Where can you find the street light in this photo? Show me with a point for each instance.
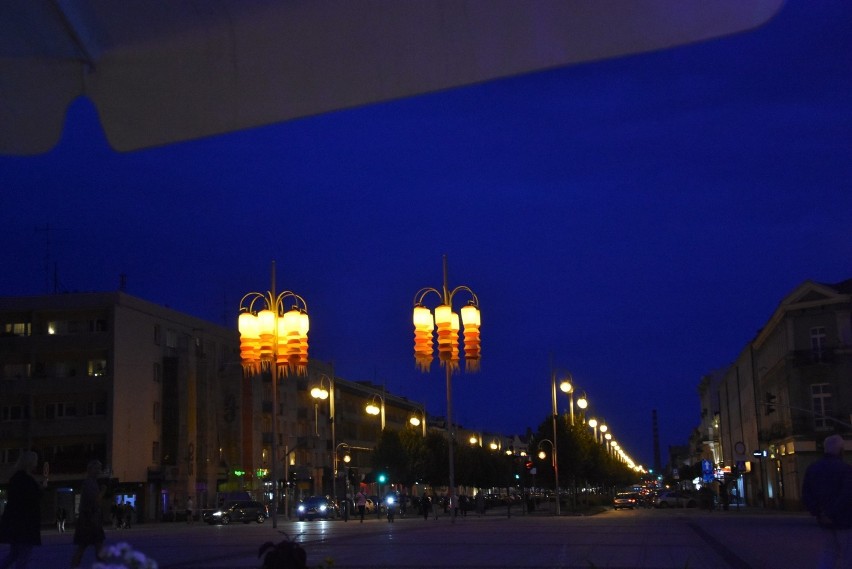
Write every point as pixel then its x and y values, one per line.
pixel 542 455
pixel 553 442
pixel 275 339
pixel 419 421
pixel 447 323
pixel 567 388
pixel 593 423
pixel 373 409
pixel 602 428
pixel 346 459
pixel 582 402
pixel 320 393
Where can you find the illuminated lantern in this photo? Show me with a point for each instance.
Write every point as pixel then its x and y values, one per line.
pixel 290 342
pixel 447 338
pixel 472 347
pixel 266 331
pixel 304 326
pixel 424 347
pixel 455 327
pixel 249 339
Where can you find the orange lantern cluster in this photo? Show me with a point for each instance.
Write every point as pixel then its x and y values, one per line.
pixel 258 340
pixel 448 326
pixel 472 347
pixel 424 326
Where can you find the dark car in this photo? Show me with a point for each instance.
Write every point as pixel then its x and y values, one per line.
pixel 625 500
pixel 239 511
pixel 316 507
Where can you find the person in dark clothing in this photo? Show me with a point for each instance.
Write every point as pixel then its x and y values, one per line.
pixel 20 526
pixel 90 520
pixel 827 494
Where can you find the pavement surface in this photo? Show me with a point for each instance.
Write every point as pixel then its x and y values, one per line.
pixel 647 539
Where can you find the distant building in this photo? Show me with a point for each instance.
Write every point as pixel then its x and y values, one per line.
pixel 153 393
pixel 789 388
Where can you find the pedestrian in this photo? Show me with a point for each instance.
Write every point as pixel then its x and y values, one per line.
pixel 89 530
pixel 61 515
pixel 480 503
pixel 20 525
pixel 361 503
pixel 425 506
pixel 827 494
pixel 189 509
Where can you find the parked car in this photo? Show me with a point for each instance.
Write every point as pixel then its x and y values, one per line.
pixel 625 500
pixel 669 499
pixel 316 507
pixel 239 511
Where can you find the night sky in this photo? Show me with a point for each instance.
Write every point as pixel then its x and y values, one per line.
pixel 634 221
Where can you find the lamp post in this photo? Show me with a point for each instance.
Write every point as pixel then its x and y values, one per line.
pixel 568 388
pixel 593 423
pixel 602 428
pixel 346 459
pixel 320 393
pixel 542 455
pixel 553 442
pixel 275 339
pixel 583 403
pixel 420 421
pixel 373 409
pixel 447 323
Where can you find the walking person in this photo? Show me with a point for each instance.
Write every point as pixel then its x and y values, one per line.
pixel 20 526
pixel 361 502
pixel 89 530
pixel 827 494
pixel 61 515
pixel 189 510
pixel 425 506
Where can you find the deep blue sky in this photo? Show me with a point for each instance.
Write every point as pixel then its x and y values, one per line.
pixel 636 219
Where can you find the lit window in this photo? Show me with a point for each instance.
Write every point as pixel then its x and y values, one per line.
pixel 97 368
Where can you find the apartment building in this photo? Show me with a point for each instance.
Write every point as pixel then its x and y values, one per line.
pixel 156 395
pixel 788 389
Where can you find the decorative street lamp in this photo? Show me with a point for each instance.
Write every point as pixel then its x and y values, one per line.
pixel 602 428
pixel 447 323
pixel 276 339
pixel 320 393
pixel 593 423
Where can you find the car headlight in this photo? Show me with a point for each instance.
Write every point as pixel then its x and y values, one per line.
pixel 301 507
pixel 323 508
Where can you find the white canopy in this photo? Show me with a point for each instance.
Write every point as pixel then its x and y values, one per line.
pixel 162 71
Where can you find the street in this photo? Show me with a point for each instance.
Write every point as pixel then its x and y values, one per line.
pixel 625 539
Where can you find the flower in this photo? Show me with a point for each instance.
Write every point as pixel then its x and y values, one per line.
pixel 123 556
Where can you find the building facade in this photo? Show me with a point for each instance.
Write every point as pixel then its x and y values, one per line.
pixel 153 393
pixel 788 389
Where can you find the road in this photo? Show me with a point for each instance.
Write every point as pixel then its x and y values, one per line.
pixel 647 539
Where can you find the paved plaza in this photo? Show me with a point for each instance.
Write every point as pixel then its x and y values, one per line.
pixel 651 539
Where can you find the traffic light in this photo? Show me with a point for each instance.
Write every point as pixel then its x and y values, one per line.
pixel 382 478
pixel 770 403
pixel 528 464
